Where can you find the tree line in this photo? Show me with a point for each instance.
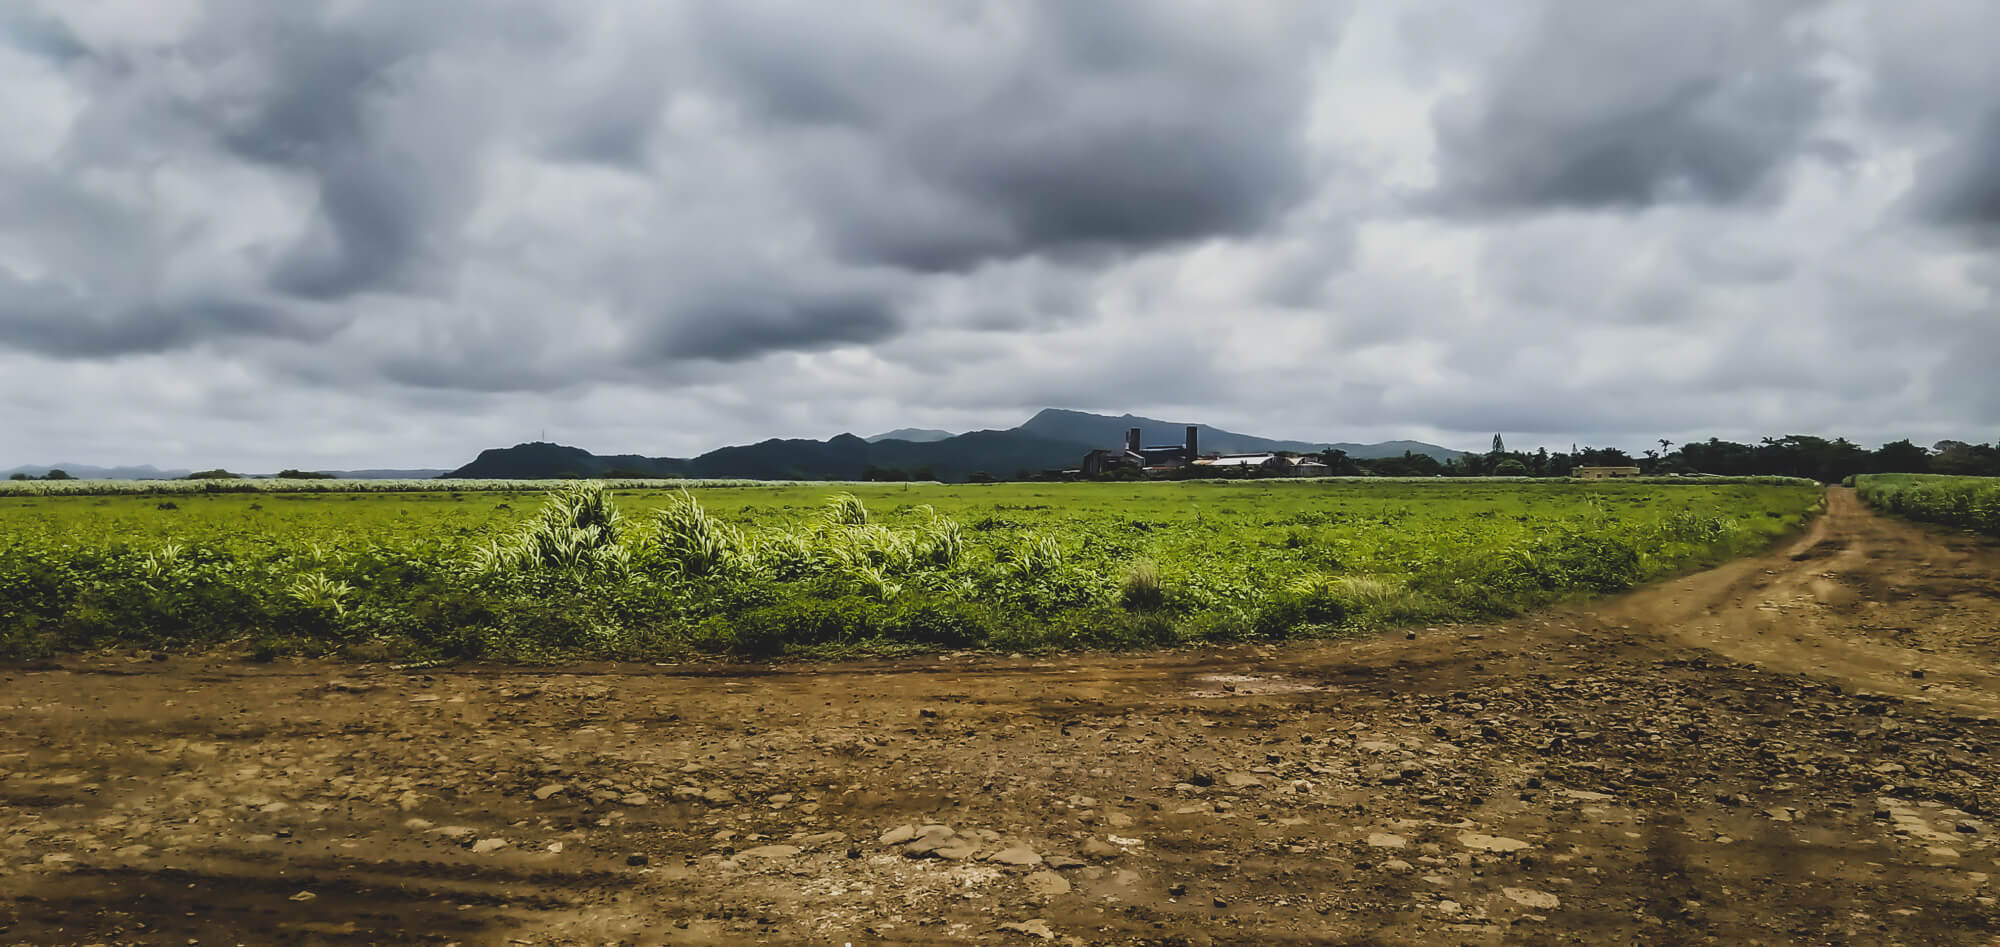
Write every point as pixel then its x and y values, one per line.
pixel 1794 455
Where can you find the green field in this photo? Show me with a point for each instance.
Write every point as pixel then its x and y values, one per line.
pixel 762 570
pixel 1971 503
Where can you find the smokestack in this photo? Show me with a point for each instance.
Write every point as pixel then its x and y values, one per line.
pixel 1132 440
pixel 1191 455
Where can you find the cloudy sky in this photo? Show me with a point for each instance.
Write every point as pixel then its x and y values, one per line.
pixel 383 233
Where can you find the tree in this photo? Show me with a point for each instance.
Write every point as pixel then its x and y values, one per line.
pixel 1338 464
pixel 1499 446
pixel 1510 468
pixel 57 474
pixel 1901 457
pixel 19 476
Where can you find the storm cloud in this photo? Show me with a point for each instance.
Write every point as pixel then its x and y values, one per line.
pixel 661 227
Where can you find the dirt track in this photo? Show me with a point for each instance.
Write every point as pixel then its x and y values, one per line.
pixel 1741 756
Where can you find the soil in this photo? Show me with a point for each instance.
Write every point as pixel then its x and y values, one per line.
pixel 1794 748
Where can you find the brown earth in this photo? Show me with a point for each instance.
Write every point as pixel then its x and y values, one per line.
pixel 1793 748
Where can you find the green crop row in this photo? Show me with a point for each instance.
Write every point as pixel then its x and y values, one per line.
pixel 772 570
pixel 1965 502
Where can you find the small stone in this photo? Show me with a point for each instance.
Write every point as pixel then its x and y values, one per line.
pixel 409 800
pixel 817 839
pixel 635 799
pixel 549 790
pixel 1038 928
pixel 1242 781
pixel 1398 865
pixel 302 896
pixel 1063 862
pixel 1018 855
pixel 1099 848
pixel 956 849
pixel 1386 840
pixel 899 835
pixel 929 839
pixel 1047 883
pixel 417 825
pixel 718 796
pixel 485 845
pixel 635 859
pixel 1584 795
pixel 771 851
pixel 1491 843
pixel 1528 897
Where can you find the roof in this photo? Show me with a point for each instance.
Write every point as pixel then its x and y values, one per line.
pixel 1237 460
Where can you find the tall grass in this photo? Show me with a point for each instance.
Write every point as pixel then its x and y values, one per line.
pixel 1971 503
pixel 770 571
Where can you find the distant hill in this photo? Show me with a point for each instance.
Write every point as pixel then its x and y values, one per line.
pixel 541 460
pixel 915 435
pixel 421 474
pixel 1052 439
pixel 845 457
pixel 88 472
pixel 1100 430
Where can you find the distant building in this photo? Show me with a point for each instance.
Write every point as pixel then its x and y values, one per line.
pixel 1243 462
pixel 1307 467
pixel 1604 473
pixel 1134 456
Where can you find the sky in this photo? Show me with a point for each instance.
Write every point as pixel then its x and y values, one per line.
pixel 373 233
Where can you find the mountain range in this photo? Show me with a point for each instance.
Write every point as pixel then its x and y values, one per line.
pixel 1054 438
pixel 150 472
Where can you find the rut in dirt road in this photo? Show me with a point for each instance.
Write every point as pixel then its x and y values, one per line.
pixel 1874 602
pixel 1740 756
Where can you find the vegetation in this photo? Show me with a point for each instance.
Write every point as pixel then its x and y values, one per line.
pixel 1794 455
pixel 786 569
pixel 1966 502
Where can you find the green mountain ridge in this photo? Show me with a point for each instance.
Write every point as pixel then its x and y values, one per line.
pixel 915 435
pixel 1053 439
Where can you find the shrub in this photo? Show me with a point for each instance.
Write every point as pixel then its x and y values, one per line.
pixel 1140 590
pixel 692 543
pixel 576 531
pixel 1312 601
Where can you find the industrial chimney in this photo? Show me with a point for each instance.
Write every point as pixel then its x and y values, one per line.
pixel 1191 455
pixel 1132 440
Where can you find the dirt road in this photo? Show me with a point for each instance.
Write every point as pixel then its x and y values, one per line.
pixel 1794 748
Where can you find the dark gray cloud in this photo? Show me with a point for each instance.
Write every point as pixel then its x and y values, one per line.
pixel 976 131
pixel 1631 104
pixel 36 32
pixel 741 325
pixel 1960 185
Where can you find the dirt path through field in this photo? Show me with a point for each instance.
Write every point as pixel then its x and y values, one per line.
pixel 1742 756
